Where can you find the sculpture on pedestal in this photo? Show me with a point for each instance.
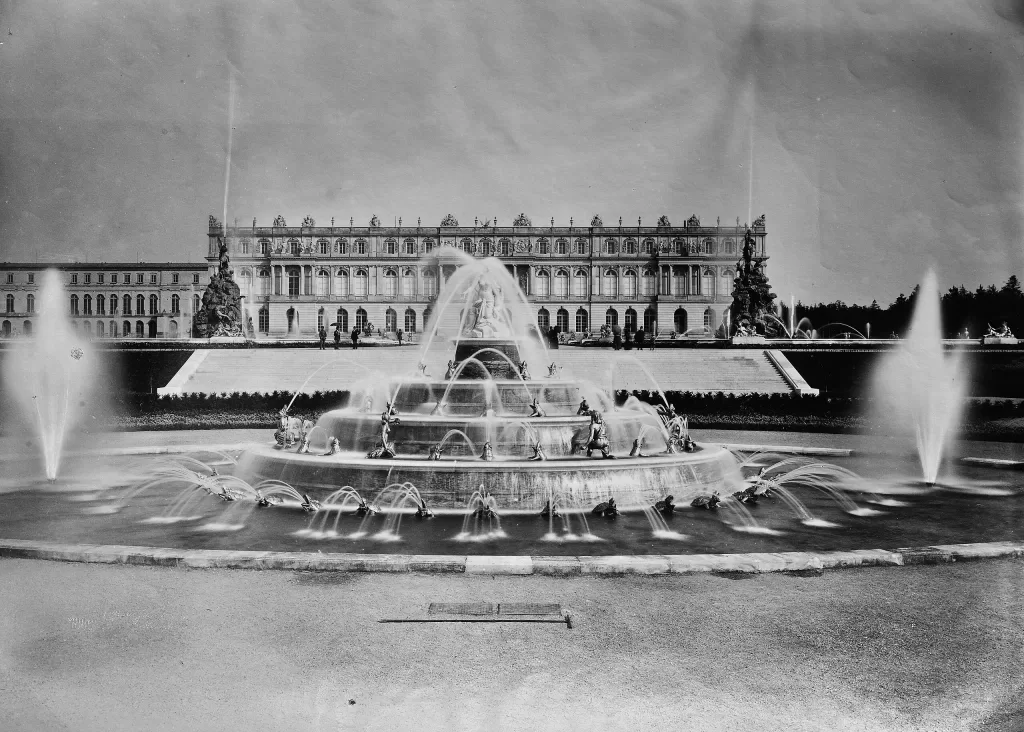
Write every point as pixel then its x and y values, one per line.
pixel 486 317
pixel 752 297
pixel 221 311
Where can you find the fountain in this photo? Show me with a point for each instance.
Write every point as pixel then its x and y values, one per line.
pixel 520 440
pixel 921 388
pixel 51 375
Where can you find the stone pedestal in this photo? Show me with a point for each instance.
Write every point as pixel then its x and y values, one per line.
pixel 740 340
pixel 999 341
pixel 497 367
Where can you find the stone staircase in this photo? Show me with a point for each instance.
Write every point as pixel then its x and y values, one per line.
pixel 310 369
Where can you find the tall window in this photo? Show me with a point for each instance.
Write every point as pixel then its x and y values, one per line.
pixel 154 304
pixel 630 320
pixel 175 305
pixel 293 282
pixel 87 327
pixel 152 278
pixel 582 320
pixel 410 320
pixel 581 246
pixel 113 310
pixel 342 246
pixel 88 278
pixel 361 319
pixel 87 305
pixel 263 247
pixel 543 246
pixel 408 282
pixel 410 246
pixel 694 281
pixel 10 278
pixel 650 319
pixel 10 303
pixel 113 278
pixel 709 320
pixel 391 246
pixel 113 328
pixel 679 281
pixel 100 330
pixel 342 319
pixel 245 251
pixel 647 283
pixel 390 320
pixel 428 245
pixel 101 305
pixel 629 246
pixel 429 283
pixel 74 279
pixel 543 282
pixel 99 278
pixel 341 287
pixel 263 320
pixel 709 247
pixel 319 319
pixel 562 320
pixel 360 286
pixel 74 304
pixel 679 246
pixel 506 247
pixel 293 247
pixel 562 246
pixel 126 329
pixel 360 246
pixel 323 281
pixel 611 317
pixel 610 286
pixel 390 283
pixel 126 301
pixel 263 281
pixel 679 321
pixel 140 329
pixel 579 283
pixel 708 283
pixel 486 247
pixel 197 303
pixel 30 304
pixel 140 304
pixel 562 284
pixel 610 246
pixel 543 320
pixel 725 284
pixel 26 327
pixel 629 284
pixel 139 278
pixel 325 247
pixel 647 247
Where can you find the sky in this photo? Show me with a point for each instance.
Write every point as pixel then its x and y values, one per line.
pixel 880 139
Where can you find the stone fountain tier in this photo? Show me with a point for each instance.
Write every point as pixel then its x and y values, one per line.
pixel 510 436
pixel 484 350
pixel 472 397
pixel 517 485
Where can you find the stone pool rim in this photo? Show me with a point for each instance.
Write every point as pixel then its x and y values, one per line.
pixel 561 566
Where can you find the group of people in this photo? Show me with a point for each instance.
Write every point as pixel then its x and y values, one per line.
pixel 354 335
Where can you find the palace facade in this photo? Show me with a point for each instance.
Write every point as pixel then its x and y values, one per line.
pixel 662 278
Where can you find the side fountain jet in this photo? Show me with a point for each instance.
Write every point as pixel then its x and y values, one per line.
pixel 309 505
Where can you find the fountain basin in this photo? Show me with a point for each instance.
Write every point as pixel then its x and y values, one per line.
pixel 515 484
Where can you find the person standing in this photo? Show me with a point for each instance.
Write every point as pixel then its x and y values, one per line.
pixel 323 337
pixel 355 338
pixel 399 337
pixel 337 336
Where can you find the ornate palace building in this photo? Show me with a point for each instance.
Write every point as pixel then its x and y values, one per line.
pixel 661 278
pixel 108 299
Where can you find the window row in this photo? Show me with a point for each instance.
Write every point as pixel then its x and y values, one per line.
pixel 340 320
pixel 101 305
pixel 343 284
pixel 680 322
pixel 126 278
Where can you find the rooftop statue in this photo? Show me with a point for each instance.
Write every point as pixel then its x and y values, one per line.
pixel 450 220
pixel 596 221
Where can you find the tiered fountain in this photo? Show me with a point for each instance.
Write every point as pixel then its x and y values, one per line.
pixel 487 424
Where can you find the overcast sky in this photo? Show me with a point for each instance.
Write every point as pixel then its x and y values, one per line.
pixel 880 138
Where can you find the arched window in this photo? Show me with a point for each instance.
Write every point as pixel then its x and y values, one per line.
pixel 629 247
pixel 197 303
pixel 86 305
pixel 152 328
pixel 154 304
pixel 361 283
pixel 610 246
pixel 341 319
pixel 175 305
pixel 610 286
pixel 172 330
pixel 391 246
pixel 30 304
pixel 562 320
pixel 101 330
pixel 581 246
pixel 562 284
pixel 361 319
pixel 87 327
pixel 140 329
pixel 707 286
pixel 410 246
pixel 341 284
pixel 263 247
pixel 324 247
pixel 26 328
pixel 695 288
pixel 647 283
pixel 629 284
pixel 263 281
pixel 390 320
pixel 319 319
pixel 390 284
pixel 543 281
pixel 140 304
pixel 360 246
pixel 543 320
pixel 579 283
pixel 101 305
pixel 650 320
pixel 126 329
pixel 630 320
pixel 709 320
pixel 582 320
pixel 74 304
pixel 10 303
pixel 648 246
pixel 341 245
pixel 543 246
pixel 428 245
pixel 126 305
pixel 506 247
pixel 678 284
pixel 562 246
pixel 611 317
pixel 408 282
pixel 679 321
pixel 410 320
pixel 112 328
pixel 323 282
pixel 429 277
pixel 294 247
